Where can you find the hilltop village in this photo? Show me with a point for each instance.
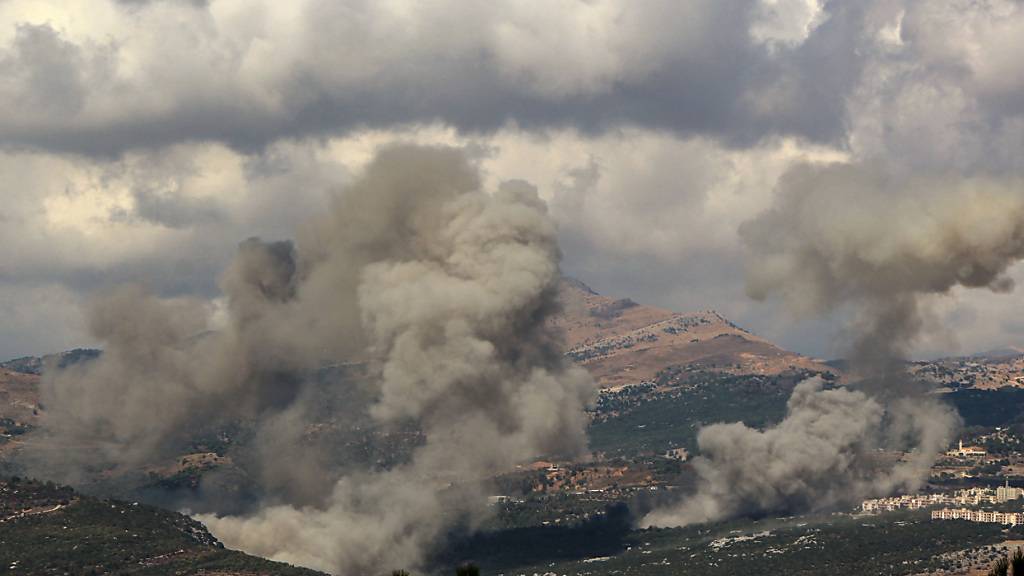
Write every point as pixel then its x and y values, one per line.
pixel 976 467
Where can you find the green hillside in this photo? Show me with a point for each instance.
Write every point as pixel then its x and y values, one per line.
pixel 902 543
pixel 641 419
pixel 49 529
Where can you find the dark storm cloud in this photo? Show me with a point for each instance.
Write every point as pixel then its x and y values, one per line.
pixel 46 71
pixel 913 88
pixel 705 76
pixel 916 84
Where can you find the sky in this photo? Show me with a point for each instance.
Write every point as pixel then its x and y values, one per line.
pixel 143 140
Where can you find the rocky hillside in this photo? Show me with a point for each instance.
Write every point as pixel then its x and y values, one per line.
pixel 19 392
pixel 622 342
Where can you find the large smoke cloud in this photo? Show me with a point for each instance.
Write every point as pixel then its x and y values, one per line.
pixel 874 242
pixel 822 455
pixel 438 290
pixel 876 238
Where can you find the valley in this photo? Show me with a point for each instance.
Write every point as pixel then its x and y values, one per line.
pixel 663 376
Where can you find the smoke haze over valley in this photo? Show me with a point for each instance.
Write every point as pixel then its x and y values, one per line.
pixel 535 286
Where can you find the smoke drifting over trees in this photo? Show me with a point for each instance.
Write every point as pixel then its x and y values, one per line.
pixel 440 289
pixel 875 241
pixel 820 456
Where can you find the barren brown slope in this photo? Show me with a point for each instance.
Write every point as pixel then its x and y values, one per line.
pixel 621 342
pixel 19 382
pixel 19 400
pixel 19 396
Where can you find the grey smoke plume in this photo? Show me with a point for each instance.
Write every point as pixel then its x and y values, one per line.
pixel 441 289
pixel 458 320
pixel 822 455
pixel 879 242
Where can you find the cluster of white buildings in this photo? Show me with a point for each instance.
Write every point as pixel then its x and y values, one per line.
pixel 905 502
pixel 968 497
pixel 1008 518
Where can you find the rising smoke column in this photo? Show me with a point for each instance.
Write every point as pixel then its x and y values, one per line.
pixel 793 465
pixel 459 321
pixel 443 289
pixel 169 366
pixel 880 242
pixel 819 457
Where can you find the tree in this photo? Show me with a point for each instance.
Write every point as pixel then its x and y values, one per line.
pixel 1001 568
pixel 469 569
pixel 1004 564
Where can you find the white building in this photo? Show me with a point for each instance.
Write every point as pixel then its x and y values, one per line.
pixel 965 497
pixel 988 516
pixel 1005 493
pixel 968 451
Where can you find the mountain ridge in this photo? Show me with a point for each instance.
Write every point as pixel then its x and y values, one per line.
pixel 622 342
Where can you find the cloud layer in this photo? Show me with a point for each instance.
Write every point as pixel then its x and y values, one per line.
pixel 139 138
pixel 97 79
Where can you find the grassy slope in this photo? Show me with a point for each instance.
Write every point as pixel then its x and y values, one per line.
pixel 672 419
pixel 899 543
pixel 92 536
pixel 1001 407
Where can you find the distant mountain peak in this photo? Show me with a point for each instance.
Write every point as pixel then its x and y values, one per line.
pixel 35 364
pixel 624 342
pixel 568 281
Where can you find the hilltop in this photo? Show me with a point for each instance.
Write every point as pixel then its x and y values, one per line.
pixel 622 342
pixel 19 390
pixel 35 364
pixel 657 353
pixel 618 340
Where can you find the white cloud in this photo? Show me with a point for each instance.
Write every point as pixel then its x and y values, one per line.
pixel 786 22
pixel 566 47
pixel 143 140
